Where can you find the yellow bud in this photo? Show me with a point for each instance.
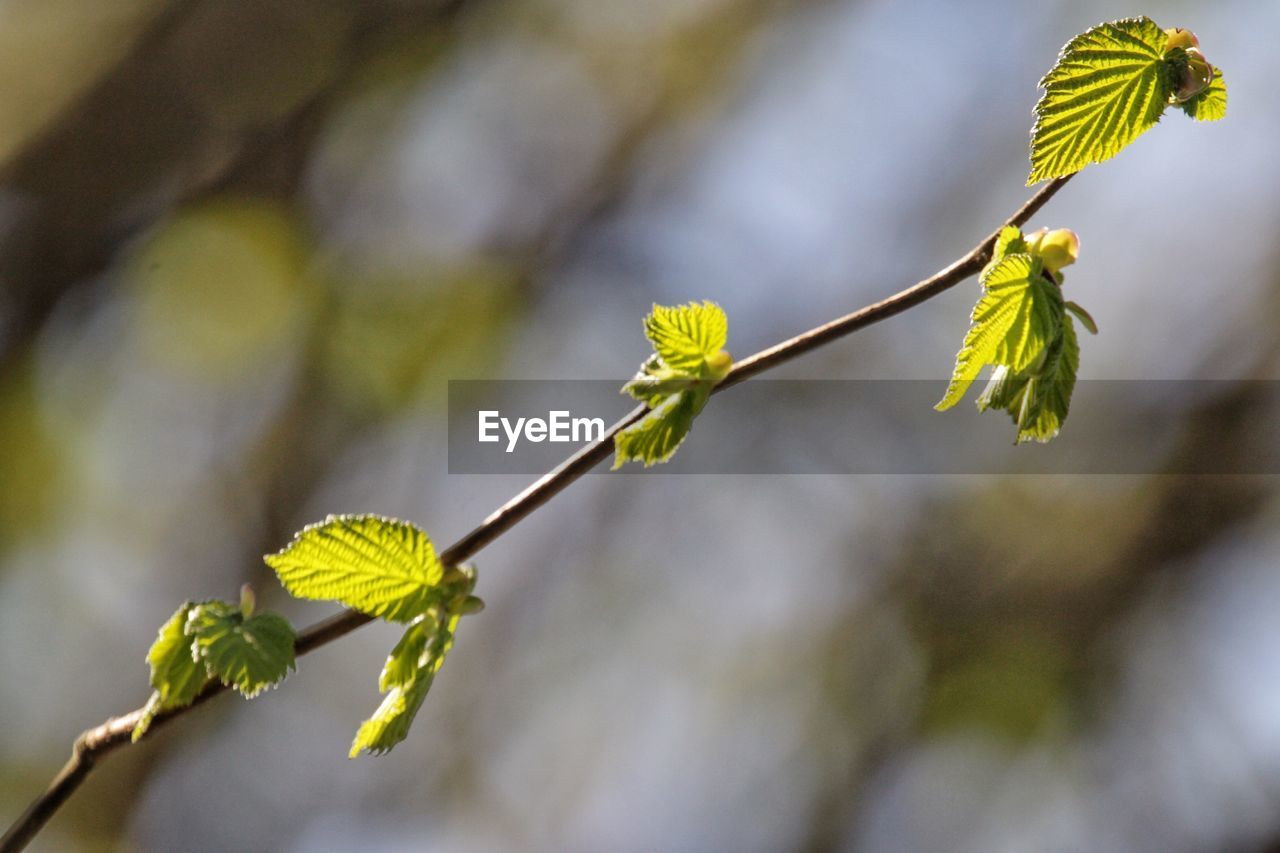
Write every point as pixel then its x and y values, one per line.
pixel 718 365
pixel 1034 239
pixel 1057 249
pixel 1179 37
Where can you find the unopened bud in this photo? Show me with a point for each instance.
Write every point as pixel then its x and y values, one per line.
pixel 1178 37
pixel 718 365
pixel 1057 249
pixel 247 600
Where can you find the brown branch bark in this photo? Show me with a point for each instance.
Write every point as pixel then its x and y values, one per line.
pixel 94 744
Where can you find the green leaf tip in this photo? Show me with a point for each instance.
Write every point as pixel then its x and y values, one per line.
pixel 1021 326
pixel 675 382
pixel 1110 85
pixel 215 639
pixel 380 566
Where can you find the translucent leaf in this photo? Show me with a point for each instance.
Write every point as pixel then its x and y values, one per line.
pixel 410 671
pixel 685 336
pixel 248 654
pixel 405 660
pixel 1017 316
pixel 390 724
pixel 1211 104
pixel 657 437
pixel 1110 85
pixel 1008 242
pixel 676 380
pixel 380 566
pixel 176 674
pixel 1038 402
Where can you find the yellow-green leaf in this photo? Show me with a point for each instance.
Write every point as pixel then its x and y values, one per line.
pixel 1110 85
pixel 409 672
pixel 1008 242
pixel 1038 401
pixel 1016 317
pixel 685 336
pixel 380 566
pixel 176 673
pixel 660 433
pixel 406 658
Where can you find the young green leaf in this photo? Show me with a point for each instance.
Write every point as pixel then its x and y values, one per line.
pixel 249 654
pixel 656 438
pixel 407 676
pixel 176 673
pixel 405 660
pixel 380 566
pixel 1008 242
pixel 1110 85
pixel 1017 316
pixel 1022 326
pixel 1211 104
pixel 390 723
pixel 685 336
pixel 1038 400
pixel 676 381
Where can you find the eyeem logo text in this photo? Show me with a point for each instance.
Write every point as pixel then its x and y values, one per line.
pixel 559 427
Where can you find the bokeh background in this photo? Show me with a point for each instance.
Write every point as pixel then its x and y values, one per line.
pixel 244 244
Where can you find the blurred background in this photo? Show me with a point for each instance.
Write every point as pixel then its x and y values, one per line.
pixel 244 245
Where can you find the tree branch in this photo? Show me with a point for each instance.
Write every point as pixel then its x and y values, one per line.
pixel 97 742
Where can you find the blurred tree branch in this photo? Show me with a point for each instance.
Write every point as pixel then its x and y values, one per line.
pixel 210 93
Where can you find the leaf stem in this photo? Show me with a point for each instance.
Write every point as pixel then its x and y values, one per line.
pixel 97 742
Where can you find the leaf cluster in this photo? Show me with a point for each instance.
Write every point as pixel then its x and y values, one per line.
pixel 688 361
pixel 1110 85
pixel 388 569
pixel 1023 326
pixel 210 640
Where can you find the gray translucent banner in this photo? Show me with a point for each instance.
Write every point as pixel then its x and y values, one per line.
pixel 880 427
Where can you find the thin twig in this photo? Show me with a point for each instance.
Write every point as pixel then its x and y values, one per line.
pixel 95 743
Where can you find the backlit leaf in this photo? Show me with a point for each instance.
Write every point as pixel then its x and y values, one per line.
pixel 1038 402
pixel 176 674
pixel 410 671
pixel 1110 85
pixel 1017 316
pixel 405 660
pixel 658 435
pixel 685 336
pixel 380 566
